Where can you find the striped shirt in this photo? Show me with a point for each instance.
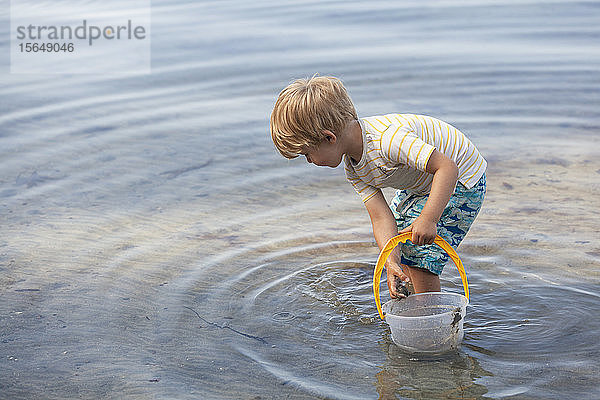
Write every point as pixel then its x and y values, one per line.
pixel 396 148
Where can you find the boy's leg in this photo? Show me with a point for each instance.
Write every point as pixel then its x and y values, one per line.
pixel 423 280
pixel 424 276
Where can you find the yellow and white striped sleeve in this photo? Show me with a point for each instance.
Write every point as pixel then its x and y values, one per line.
pixel 400 145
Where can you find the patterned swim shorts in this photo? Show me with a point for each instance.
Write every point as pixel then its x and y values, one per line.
pixel 454 223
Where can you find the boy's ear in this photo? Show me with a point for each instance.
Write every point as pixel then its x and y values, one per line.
pixel 329 136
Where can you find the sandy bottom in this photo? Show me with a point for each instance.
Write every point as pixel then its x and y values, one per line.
pixel 179 299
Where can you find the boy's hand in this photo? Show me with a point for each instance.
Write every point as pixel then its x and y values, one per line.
pixel 423 231
pixel 395 276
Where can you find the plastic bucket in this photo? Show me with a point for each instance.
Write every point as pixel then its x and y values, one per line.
pixel 425 322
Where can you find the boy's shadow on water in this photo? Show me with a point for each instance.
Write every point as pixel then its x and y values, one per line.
pixel 448 376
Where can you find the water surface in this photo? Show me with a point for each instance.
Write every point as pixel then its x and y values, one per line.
pixel 153 244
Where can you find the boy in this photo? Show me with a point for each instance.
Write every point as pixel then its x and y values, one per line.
pixel 440 173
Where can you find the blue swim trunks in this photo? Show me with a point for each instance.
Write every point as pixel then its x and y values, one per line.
pixel 454 223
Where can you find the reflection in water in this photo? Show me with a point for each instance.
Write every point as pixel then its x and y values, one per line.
pixel 449 376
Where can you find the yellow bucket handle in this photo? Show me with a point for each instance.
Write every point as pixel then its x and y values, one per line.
pixel 402 238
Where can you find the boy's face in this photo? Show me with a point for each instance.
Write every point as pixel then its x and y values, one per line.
pixel 328 153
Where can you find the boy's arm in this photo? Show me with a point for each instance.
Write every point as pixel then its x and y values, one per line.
pixel 445 176
pixel 384 228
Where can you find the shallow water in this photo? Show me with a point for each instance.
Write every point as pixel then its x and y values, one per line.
pixel 154 244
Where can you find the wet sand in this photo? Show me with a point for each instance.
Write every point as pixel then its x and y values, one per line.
pixel 551 207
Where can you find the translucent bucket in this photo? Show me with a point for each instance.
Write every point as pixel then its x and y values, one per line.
pixel 426 322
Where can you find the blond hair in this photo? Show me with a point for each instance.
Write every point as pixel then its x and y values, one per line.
pixel 307 107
